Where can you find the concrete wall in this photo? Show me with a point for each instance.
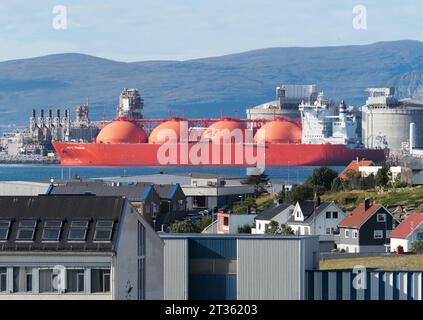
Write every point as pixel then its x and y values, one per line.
pixel 127 259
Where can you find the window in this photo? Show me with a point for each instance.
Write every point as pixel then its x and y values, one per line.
pixel 328 230
pixel 75 280
pixel 147 208
pixel 199 202
pixel 381 217
pixel 175 207
pixel 355 234
pixel 46 280
pixel 181 205
pixel 103 230
pixel 4 229
pixel 52 230
pixel 378 234
pixel 328 215
pixel 100 280
pixel 26 230
pixel 22 279
pixel 3 279
pixel 335 215
pixel 225 221
pixel 141 240
pixel 419 236
pixel 347 233
pixel 78 230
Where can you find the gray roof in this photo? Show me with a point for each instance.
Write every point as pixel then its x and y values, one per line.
pixel 272 212
pixel 64 209
pixel 164 190
pixel 135 192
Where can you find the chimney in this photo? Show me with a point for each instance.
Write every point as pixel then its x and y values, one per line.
pixel 366 204
pixel 318 202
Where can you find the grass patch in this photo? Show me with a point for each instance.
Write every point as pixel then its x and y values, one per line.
pixel 348 200
pixel 393 262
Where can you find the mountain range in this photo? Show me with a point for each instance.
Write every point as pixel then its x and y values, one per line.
pixel 206 87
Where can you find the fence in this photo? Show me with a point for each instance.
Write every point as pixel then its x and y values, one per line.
pixel 368 285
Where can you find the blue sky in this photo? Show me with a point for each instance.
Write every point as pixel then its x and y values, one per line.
pixel 135 30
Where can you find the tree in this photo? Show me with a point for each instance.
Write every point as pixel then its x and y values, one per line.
pixel 274 228
pixel 248 205
pixel 300 193
pixel 336 185
pixel 383 176
pixel 322 177
pixel 258 181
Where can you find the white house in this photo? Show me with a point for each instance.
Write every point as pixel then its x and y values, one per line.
pixel 280 213
pixel 317 218
pixel 410 230
pixel 71 247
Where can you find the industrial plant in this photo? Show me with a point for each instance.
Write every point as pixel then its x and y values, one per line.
pixel 300 119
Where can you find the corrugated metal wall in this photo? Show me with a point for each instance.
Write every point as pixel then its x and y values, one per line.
pixel 176 269
pixel 213 248
pixel 378 285
pixel 269 269
pixel 212 286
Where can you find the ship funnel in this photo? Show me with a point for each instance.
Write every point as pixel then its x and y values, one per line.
pixel 58 113
pixel 42 113
pixel 33 113
pixel 50 113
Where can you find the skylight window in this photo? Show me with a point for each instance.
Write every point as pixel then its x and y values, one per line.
pixel 26 230
pixel 78 230
pixel 52 230
pixel 4 229
pixel 103 230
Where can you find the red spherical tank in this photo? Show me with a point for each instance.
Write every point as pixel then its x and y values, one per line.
pixel 120 131
pixel 166 130
pixel 279 131
pixel 224 127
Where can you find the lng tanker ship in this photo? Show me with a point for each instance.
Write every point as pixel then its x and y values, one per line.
pixel 319 138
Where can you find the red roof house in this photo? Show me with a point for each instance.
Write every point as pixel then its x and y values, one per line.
pixel 353 167
pixel 409 231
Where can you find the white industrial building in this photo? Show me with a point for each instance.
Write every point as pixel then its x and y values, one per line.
pixel 386 120
pixel 288 97
pixel 77 247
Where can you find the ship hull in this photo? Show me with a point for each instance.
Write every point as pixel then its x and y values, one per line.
pixel 144 154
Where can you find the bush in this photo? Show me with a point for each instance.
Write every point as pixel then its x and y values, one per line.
pixel 417 246
pixel 244 229
pixel 191 226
